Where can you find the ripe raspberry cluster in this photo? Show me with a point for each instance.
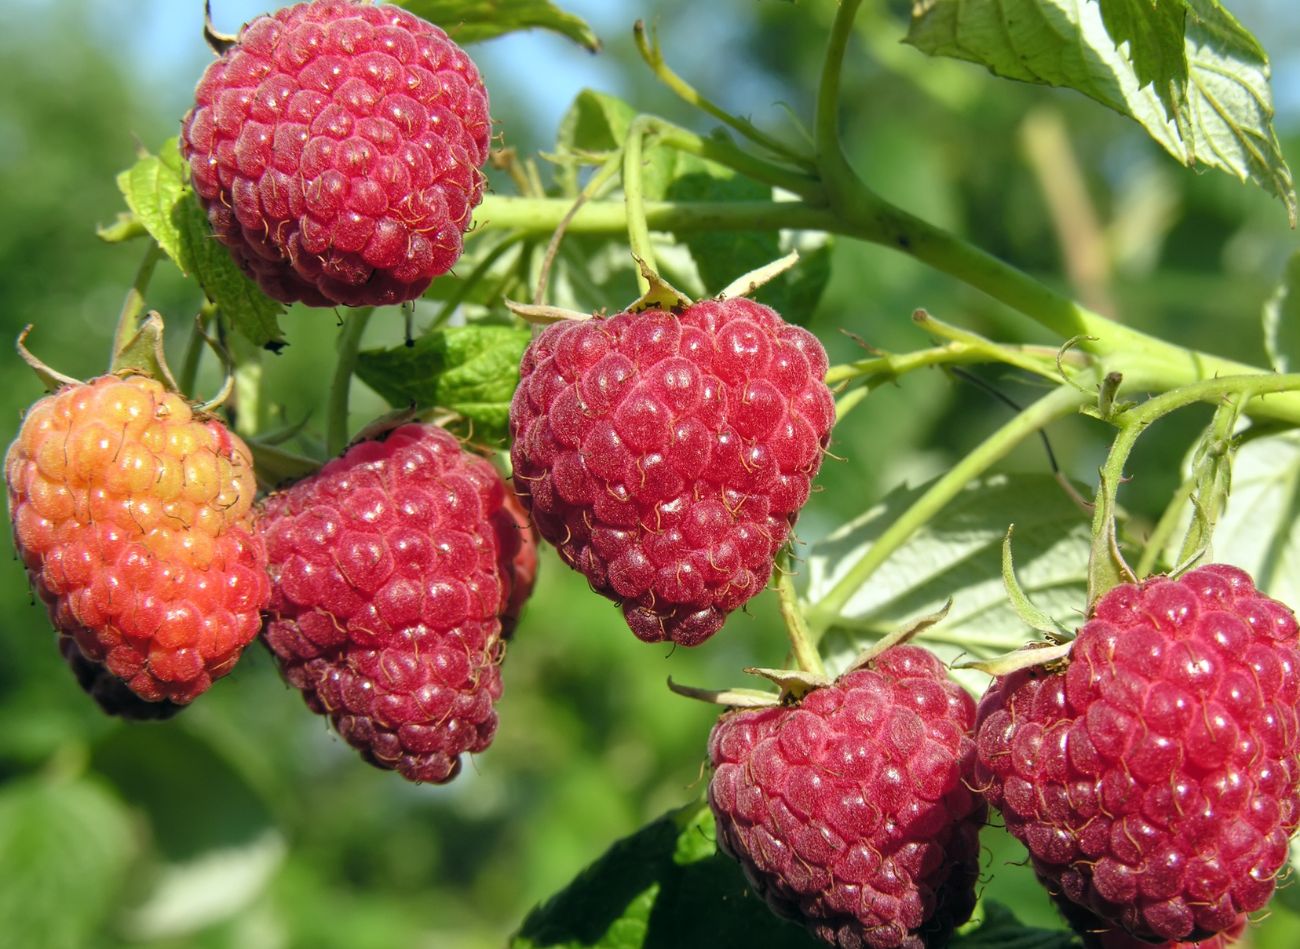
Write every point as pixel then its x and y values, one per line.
pixel 134 518
pixel 336 147
pixel 1156 780
pixel 392 567
pixel 666 455
pixel 850 811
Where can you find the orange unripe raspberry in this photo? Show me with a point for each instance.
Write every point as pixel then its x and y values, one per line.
pixel 133 515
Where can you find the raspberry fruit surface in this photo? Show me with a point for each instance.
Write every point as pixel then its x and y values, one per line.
pixel 666 456
pixel 389 580
pixel 518 546
pixel 111 693
pixel 850 811
pixel 336 147
pixel 1095 934
pixel 134 518
pixel 1155 780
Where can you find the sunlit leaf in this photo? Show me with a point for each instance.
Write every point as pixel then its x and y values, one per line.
pixel 471 370
pixel 157 191
pixel 958 554
pixel 1154 33
pixel 1259 530
pixel 1227 121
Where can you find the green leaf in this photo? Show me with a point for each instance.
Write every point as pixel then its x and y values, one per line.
pixel 152 190
pixel 248 310
pixel 666 885
pixel 595 122
pixel 469 21
pixel 1154 32
pixel 1227 122
pixel 471 370
pixel 1259 530
pixel 64 852
pixel 157 192
pixel 999 929
pixel 957 554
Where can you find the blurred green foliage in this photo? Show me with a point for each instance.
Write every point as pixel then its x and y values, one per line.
pixel 244 822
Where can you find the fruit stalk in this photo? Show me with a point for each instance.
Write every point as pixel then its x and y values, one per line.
pixel 1146 361
pixel 354 327
pixel 801 643
pixel 1132 423
pixel 133 307
pixel 638 233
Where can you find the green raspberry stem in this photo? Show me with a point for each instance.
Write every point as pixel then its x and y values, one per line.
pixel 1103 571
pixel 801 642
pixel 648 45
pixel 130 319
pixel 354 327
pixel 1146 362
pixel 838 177
pixel 188 376
pixel 638 231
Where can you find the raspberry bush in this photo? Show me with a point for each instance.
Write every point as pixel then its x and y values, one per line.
pixel 438 386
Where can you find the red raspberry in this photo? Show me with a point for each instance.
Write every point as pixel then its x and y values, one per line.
pixel 134 518
pixel 667 456
pixel 388 585
pixel 1155 781
pixel 849 812
pixel 336 147
pixel 518 546
pixel 1097 935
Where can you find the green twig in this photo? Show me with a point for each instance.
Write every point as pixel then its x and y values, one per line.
pixel 638 231
pixel 648 45
pixel 189 373
pixel 1147 363
pixel 841 182
pixel 1132 423
pixel 354 327
pixel 890 366
pixel 133 307
pixel 726 153
pixel 801 643
pixel 1056 404
pixel 593 188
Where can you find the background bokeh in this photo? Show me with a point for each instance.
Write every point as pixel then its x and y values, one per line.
pixel 244 822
